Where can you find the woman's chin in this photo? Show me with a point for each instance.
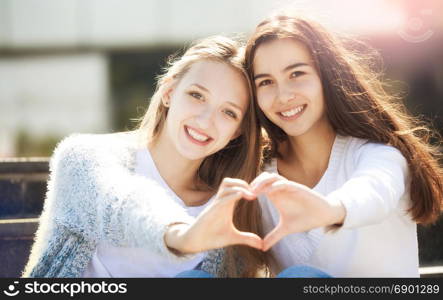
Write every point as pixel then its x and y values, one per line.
pixel 295 132
pixel 193 155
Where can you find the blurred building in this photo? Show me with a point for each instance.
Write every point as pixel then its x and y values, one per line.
pixel 89 65
pixel 56 59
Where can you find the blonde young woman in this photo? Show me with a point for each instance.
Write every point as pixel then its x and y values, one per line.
pixel 149 203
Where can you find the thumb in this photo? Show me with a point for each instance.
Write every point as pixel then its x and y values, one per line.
pixel 249 239
pixel 273 237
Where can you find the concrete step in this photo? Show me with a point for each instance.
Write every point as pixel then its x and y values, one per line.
pixel 21 198
pixel 16 238
pixel 432 272
pixel 430 243
pixel 22 186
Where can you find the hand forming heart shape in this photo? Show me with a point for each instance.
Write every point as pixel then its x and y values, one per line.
pixel 300 209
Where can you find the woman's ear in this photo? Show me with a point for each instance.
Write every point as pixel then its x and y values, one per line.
pixel 167 90
pixel 166 99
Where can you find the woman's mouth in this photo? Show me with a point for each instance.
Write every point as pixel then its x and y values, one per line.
pixel 293 113
pixel 197 137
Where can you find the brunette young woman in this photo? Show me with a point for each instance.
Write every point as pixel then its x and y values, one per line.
pixel 349 172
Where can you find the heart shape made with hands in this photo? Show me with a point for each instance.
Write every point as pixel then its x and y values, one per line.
pixel 300 208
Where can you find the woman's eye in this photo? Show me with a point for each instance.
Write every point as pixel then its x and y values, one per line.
pixel 264 82
pixel 230 113
pixel 297 74
pixel 196 95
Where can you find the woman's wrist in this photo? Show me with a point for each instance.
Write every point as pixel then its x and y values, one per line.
pixel 174 238
pixel 338 212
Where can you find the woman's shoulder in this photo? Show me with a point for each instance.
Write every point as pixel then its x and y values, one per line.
pixel 365 150
pixel 366 147
pixel 84 146
pixel 87 140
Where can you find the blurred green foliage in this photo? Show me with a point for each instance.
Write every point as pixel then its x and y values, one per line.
pixel 132 80
pixel 28 145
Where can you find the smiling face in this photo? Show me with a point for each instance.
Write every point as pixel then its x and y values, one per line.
pixel 289 89
pixel 206 109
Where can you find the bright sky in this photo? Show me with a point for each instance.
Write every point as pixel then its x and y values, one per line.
pixel 371 16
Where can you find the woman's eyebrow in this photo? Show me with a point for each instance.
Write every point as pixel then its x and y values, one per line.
pixel 201 87
pixel 292 66
pixel 229 102
pixel 235 105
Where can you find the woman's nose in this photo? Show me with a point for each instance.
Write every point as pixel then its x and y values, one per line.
pixel 285 94
pixel 204 118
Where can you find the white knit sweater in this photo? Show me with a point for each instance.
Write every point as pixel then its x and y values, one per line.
pixel 94 195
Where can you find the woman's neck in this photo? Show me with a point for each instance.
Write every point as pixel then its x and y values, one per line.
pixel 309 153
pixel 178 172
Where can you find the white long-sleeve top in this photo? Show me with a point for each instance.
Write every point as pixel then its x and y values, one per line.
pixel 378 237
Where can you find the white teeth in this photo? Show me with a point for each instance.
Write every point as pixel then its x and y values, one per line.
pixel 293 111
pixel 197 136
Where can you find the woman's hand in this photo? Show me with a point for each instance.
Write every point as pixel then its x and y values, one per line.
pixel 214 227
pixel 300 207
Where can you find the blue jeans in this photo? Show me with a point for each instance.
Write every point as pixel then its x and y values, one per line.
pixel 301 271
pixel 298 271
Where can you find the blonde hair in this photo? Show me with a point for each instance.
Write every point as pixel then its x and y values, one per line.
pixel 241 158
pixel 216 48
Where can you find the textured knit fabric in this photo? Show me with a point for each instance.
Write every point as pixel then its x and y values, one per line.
pixel 110 261
pixel 94 195
pixel 378 237
pixel 214 264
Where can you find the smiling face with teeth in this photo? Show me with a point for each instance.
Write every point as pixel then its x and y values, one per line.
pixel 206 109
pixel 288 87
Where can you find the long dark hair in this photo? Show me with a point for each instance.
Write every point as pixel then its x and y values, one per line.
pixel 358 105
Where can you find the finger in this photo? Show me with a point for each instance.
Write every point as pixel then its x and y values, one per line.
pixel 249 239
pixel 264 179
pixel 233 197
pixel 267 184
pixel 279 186
pixel 233 182
pixel 229 182
pixel 258 189
pixel 260 178
pixel 273 237
pixel 245 193
pixel 288 186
